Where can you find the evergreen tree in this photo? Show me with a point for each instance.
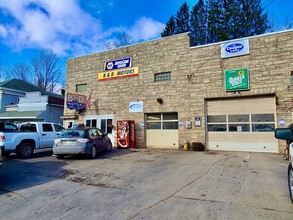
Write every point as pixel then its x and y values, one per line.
pixel 169 28
pixel 182 19
pixel 215 20
pixel 219 20
pixel 198 23
pixel 252 19
pixel 230 28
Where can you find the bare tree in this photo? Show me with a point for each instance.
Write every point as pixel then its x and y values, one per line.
pixel 288 23
pixel 20 71
pixel 46 70
pixel 121 39
pixel 274 25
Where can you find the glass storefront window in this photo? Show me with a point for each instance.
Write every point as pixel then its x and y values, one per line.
pixel 103 125
pixel 94 123
pixel 109 126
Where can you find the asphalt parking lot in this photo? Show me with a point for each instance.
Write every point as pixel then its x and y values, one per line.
pixel 146 184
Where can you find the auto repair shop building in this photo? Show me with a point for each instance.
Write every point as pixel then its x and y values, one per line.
pixel 228 95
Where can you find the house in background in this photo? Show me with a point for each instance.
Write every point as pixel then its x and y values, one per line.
pixel 21 101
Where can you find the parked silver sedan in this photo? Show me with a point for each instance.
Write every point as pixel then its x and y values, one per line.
pixel 87 141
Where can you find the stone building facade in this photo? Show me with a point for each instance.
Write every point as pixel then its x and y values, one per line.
pixel 228 95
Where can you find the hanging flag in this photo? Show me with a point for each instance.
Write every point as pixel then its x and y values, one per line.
pixel 89 102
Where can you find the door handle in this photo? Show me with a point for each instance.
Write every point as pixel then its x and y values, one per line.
pixel 43 134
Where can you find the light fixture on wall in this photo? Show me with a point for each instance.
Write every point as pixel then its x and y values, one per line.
pixel 160 101
pixel 237 93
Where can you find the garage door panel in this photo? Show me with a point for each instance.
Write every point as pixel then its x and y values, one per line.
pixel 162 130
pixel 242 124
pixel 243 137
pixel 241 106
pixel 238 146
pixel 162 139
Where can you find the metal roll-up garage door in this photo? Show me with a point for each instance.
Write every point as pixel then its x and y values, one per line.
pixel 242 124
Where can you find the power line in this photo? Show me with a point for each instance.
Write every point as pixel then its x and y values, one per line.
pixel 190 75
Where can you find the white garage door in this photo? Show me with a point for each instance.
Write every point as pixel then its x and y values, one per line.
pixel 242 124
pixel 162 130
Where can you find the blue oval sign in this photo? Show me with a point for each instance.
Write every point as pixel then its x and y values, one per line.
pixel 135 106
pixel 234 48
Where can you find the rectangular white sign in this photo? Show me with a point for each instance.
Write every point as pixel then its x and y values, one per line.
pixel 235 48
pixel 136 106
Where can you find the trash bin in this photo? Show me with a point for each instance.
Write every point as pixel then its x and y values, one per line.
pixel 197 146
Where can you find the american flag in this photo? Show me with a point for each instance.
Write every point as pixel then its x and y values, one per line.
pixel 89 102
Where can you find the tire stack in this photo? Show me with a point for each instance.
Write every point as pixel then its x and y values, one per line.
pixel 197 146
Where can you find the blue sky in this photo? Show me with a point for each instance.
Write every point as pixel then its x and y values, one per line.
pixel 73 28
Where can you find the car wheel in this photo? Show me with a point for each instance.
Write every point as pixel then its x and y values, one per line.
pixel 25 150
pixel 93 153
pixel 59 156
pixel 109 146
pixel 290 181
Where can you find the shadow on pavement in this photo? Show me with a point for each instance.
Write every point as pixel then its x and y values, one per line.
pixel 16 174
pixel 115 152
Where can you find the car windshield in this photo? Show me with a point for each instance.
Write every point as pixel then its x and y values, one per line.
pixel 73 133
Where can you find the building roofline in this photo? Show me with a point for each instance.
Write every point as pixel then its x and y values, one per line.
pixel 242 38
pixel 156 39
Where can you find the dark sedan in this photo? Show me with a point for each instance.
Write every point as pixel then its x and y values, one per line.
pixel 88 141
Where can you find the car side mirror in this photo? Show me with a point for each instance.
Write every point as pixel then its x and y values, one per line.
pixel 284 134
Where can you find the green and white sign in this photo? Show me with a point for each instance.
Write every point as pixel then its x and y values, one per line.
pixel 237 79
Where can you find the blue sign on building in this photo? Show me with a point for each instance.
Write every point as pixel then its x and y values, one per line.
pixel 235 48
pixel 118 64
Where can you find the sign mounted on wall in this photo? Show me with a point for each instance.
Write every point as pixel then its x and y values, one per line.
pixel 118 73
pixel 76 102
pixel 235 48
pixel 118 64
pixel 237 79
pixel 136 106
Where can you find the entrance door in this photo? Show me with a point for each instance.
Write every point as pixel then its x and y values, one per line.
pixel 106 125
pixel 242 124
pixel 162 130
pixel 103 122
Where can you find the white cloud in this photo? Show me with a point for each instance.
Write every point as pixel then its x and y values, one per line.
pixel 62 26
pixel 49 24
pixel 146 28
pixel 3 31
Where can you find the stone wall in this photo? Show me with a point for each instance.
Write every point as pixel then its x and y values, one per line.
pixel 269 64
